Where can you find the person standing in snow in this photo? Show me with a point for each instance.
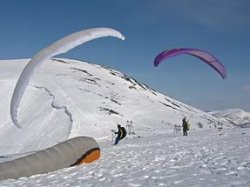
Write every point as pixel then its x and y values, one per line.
pixel 185 126
pixel 120 134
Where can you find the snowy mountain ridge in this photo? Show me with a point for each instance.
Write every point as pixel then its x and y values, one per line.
pixel 236 116
pixel 68 98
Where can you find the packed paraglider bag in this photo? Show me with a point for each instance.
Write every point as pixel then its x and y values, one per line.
pixel 124 133
pixel 188 126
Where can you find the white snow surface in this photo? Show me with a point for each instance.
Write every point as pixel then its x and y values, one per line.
pixel 68 98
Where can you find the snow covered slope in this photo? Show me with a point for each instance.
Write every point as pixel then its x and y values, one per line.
pixel 202 159
pixel 68 98
pixel 236 116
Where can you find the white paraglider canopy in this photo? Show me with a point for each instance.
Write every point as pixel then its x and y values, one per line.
pixel 61 46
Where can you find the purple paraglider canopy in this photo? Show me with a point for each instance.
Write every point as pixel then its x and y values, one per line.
pixel 205 56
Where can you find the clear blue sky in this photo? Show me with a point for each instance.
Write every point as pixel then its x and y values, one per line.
pixel 150 26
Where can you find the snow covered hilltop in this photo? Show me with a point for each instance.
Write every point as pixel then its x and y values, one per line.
pixel 68 98
pixel 235 116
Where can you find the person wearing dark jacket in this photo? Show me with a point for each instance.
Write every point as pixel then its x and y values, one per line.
pixel 120 134
pixel 184 126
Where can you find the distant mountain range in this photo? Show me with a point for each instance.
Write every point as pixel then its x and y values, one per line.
pixel 237 117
